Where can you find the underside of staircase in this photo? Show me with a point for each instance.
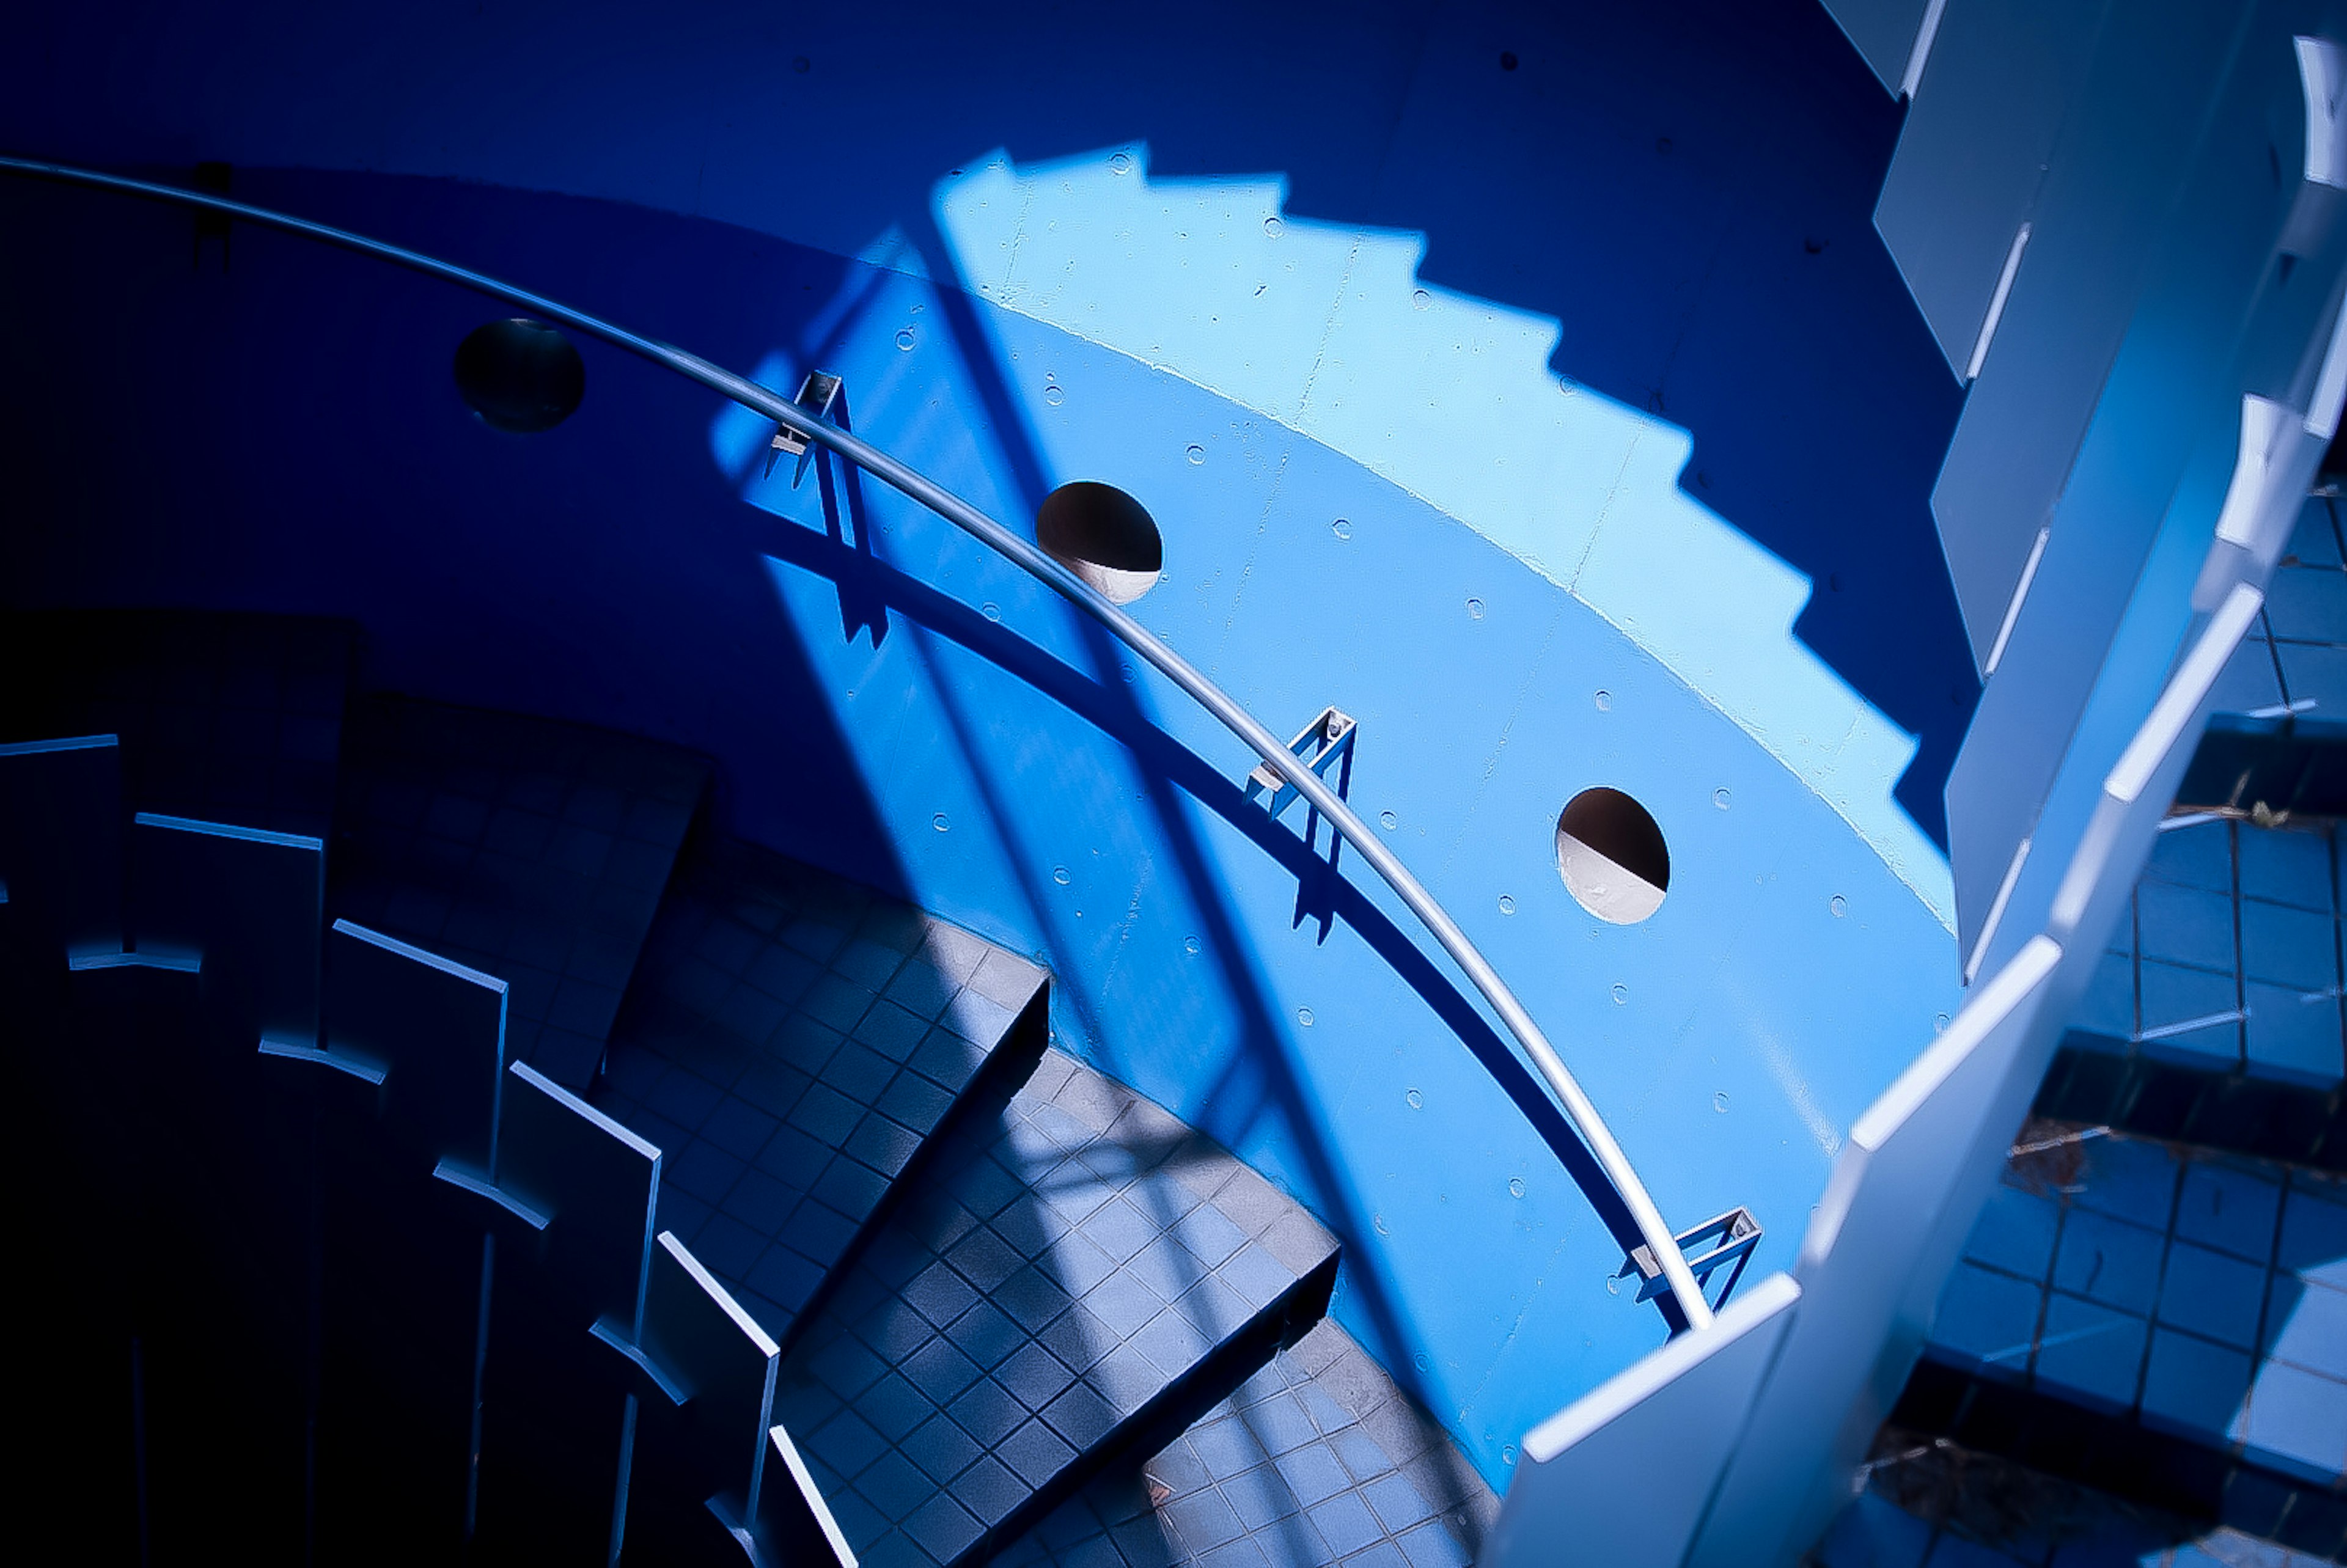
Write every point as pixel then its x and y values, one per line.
pixel 345 1236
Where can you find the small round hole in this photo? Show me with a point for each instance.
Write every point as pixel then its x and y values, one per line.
pixel 519 375
pixel 1612 856
pixel 1104 536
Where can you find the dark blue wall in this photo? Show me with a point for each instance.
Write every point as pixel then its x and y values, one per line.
pixel 281 432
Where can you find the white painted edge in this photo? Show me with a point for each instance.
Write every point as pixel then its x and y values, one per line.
pixel 2329 384
pixel 563 1097
pixel 723 1297
pixel 364 1069
pixel 2263 422
pixel 2320 76
pixel 804 1480
pixel 2170 1031
pixel 230 830
pixel 669 1387
pixel 144 958
pixel 71 744
pixel 2005 993
pixel 467 1179
pixel 2012 605
pixel 1997 304
pixel 2180 702
pixel 1925 35
pixel 2088 862
pixel 1996 911
pixel 394 945
pixel 1990 1008
pixel 1752 1311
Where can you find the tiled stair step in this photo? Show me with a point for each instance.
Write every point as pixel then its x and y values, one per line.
pixel 2093 1081
pixel 2290 765
pixel 2277 733
pixel 223 717
pixel 1067 1278
pixel 790 1041
pixel 2181 1300
pixel 528 849
pixel 1318 1460
pixel 2111 1454
pixel 2213 1017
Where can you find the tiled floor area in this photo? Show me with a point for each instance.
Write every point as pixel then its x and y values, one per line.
pixel 789 1042
pixel 1933 1504
pixel 530 850
pixel 2204 1297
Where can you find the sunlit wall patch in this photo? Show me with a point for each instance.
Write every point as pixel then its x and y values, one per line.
pixel 1326 328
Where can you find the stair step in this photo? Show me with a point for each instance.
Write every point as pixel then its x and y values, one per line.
pixel 2180 1296
pixel 531 850
pixel 1317 1459
pixel 223 717
pixel 2213 1017
pixel 1074 1275
pixel 789 1043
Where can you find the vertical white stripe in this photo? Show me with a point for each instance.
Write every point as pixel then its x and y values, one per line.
pixel 1995 912
pixel 1922 49
pixel 2013 607
pixel 2179 702
pixel 2330 385
pixel 2247 498
pixel 2320 77
pixel 1996 302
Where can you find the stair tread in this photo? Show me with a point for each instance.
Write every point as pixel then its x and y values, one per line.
pixel 1316 1459
pixel 2192 1297
pixel 2213 1015
pixel 789 1042
pixel 529 849
pixel 1058 1276
pixel 224 717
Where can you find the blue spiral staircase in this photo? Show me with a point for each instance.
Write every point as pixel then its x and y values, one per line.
pixel 941 1078
pixel 493 1158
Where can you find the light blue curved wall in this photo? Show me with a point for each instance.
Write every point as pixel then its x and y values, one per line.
pixel 631 568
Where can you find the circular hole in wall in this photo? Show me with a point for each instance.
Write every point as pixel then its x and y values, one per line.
pixel 1104 536
pixel 520 375
pixel 1612 856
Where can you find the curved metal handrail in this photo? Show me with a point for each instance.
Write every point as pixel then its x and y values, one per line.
pixel 1578 1108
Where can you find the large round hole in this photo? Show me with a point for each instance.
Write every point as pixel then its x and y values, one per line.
pixel 1612 856
pixel 1104 536
pixel 518 375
